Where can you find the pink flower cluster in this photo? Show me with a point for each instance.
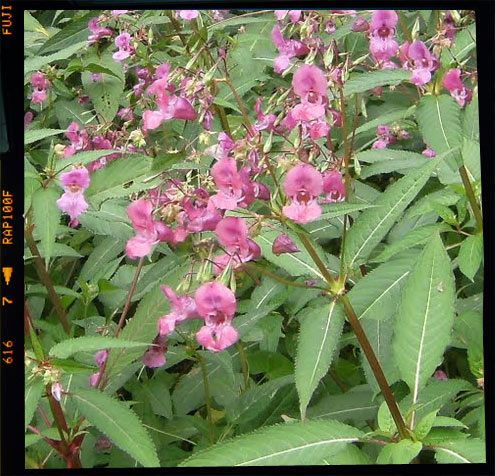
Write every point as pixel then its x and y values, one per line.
pixel 452 82
pixel 388 136
pixel 213 302
pixel 72 201
pixel 303 185
pixel 40 85
pixel 123 43
pixel 287 49
pixel 97 32
pixel 170 106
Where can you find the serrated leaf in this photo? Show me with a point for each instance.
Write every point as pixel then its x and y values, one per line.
pixel 333 210
pixel 470 255
pixel 71 111
pixel 465 451
pixel 376 295
pixel 360 82
pixel 82 158
pixel 288 444
pixel 402 452
pixel 425 424
pixel 120 178
pixel 58 249
pixel 373 224
pixel 74 32
pixel 68 347
pixel 355 404
pixel 386 118
pixel 471 120
pixel 108 249
pixel 32 397
pixel 472 159
pixel 444 421
pixel 159 397
pixel 38 134
pixel 317 341
pixel 296 264
pixel 394 165
pixel 35 63
pixel 46 217
pixel 350 455
pixel 31 24
pixel 425 317
pixel 94 223
pixel 385 420
pixel 417 237
pixel 439 120
pixel 465 41
pixel 105 94
pixel 118 423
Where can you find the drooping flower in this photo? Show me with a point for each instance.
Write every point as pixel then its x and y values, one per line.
pixel 57 390
pixel 287 50
pixel 417 58
pixel 381 33
pixel 101 357
pixel 452 82
pixel 149 232
pixel 294 15
pixel 440 375
pixel 229 184
pixel 360 25
pixel 303 185
pixel 429 152
pixel 40 85
pixel 155 355
pixel 217 305
pixel 123 42
pixel 284 244
pixel 385 137
pixel 72 201
pixel 181 308
pixel 28 117
pixel 116 13
pixel 333 186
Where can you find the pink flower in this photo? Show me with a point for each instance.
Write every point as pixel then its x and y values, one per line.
pixel 382 31
pixel 294 15
pixel 72 201
pixel 28 117
pixel 101 357
pixel 98 31
pixel 360 25
pixel 333 186
pixel 39 81
pixel 229 183
pixel 452 82
pixel 57 391
pixel 417 58
pixel 265 122
pixel 188 14
pixel 38 96
pixel 155 355
pixel 429 152
pixel 116 13
pixel 181 308
pixel 440 375
pixel 303 185
pixel 123 42
pixel 284 244
pixel 149 232
pixel 232 233
pixel 287 49
pixel 319 129
pixel 217 340
pixel 309 82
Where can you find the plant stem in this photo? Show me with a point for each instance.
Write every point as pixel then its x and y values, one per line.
pixel 375 367
pixel 471 197
pixel 244 363
pixel 46 280
pixel 238 99
pixel 319 263
pixel 206 382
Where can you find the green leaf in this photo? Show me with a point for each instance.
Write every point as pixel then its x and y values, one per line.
pixel 118 423
pixel 361 82
pixel 288 444
pixel 425 317
pixel 38 134
pixel 417 237
pixel 37 62
pixel 465 451
pixel 317 342
pixel 373 224
pixel 296 264
pixel 376 295
pixel 46 217
pixel 71 111
pixel 32 397
pixel 120 178
pixel 425 424
pixel 66 348
pixel 386 118
pixel 74 32
pixel 333 210
pixel 108 249
pixel 465 41
pixel 396 165
pixel 58 249
pixel 31 24
pixel 470 255
pixel 386 422
pixel 399 453
pixel 158 396
pixel 105 94
pixel 355 404
pixel 94 223
pixel 471 120
pixel 444 421
pixel 439 119
pixel 350 455
pixel 471 159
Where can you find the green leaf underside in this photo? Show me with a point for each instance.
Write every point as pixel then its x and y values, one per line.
pixel 38 134
pixel 374 223
pixel 35 63
pixel 287 444
pixel 119 423
pixel 68 347
pixel 425 317
pixel 466 451
pixel 470 255
pixel 31 400
pixel 317 341
pixel 399 453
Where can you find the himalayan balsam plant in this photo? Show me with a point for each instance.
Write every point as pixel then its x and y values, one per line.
pixel 253 238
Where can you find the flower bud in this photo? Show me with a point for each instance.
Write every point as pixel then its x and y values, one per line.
pixel 284 244
pixel 57 391
pixel 359 25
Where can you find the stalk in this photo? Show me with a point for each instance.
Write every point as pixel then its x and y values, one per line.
pixel 471 197
pixel 206 382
